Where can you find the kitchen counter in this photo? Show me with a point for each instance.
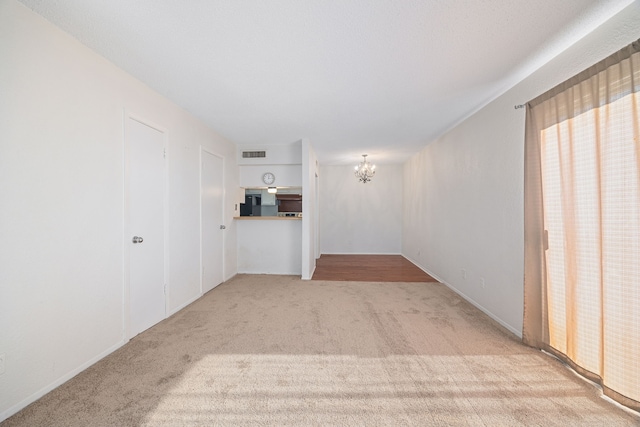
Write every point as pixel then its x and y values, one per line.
pixel 269 245
pixel 268 218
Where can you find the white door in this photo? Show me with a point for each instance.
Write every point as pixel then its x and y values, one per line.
pixel 212 227
pixel 145 180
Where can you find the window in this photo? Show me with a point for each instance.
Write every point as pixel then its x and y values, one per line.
pixel 582 224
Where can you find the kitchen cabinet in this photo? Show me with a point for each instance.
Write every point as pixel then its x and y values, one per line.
pixel 289 202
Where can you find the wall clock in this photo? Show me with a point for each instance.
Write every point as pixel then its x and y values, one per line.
pixel 268 178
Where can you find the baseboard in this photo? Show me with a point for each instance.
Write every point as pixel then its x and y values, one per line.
pixel 470 300
pixel 361 253
pixel 181 306
pixel 310 276
pixel 279 273
pixel 229 277
pixel 57 383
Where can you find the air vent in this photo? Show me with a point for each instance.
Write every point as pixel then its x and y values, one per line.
pixel 253 154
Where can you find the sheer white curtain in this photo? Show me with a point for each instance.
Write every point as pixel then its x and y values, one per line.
pixel 582 224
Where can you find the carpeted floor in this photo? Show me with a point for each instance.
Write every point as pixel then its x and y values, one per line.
pixel 274 350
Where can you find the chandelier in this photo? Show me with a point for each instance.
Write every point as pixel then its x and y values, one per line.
pixel 365 170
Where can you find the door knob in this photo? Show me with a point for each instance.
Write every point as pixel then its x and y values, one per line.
pixel 222 227
pixel 137 239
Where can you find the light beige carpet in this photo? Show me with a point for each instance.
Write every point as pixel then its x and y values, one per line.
pixel 274 350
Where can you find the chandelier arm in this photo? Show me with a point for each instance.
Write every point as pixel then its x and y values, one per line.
pixel 365 170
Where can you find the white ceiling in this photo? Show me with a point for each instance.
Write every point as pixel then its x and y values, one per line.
pixel 383 77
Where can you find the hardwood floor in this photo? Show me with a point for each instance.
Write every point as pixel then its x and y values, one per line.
pixel 368 268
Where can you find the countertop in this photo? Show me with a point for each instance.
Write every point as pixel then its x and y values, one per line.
pixel 268 218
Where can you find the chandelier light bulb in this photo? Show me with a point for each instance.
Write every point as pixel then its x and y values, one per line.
pixel 365 170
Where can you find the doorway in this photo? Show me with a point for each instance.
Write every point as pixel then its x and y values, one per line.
pixel 145 225
pixel 211 220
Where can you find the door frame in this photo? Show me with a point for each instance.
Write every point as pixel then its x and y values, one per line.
pixel 224 234
pixel 126 219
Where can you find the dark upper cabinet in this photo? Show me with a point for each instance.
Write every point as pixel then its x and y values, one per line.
pixel 289 202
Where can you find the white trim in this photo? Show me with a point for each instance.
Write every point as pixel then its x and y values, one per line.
pixel 167 234
pixel 316 217
pixel 230 277
pixel 471 300
pixel 57 383
pixel 182 306
pixel 126 297
pixel 362 253
pixel 200 266
pixel 274 273
pixel 224 194
pixel 313 270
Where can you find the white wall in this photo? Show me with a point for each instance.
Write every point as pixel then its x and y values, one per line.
pixel 61 203
pixel 284 161
pixel 286 175
pixel 463 193
pixel 357 218
pixel 310 176
pixel 282 154
pixel 269 246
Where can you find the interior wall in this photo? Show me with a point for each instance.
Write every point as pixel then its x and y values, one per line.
pixel 286 175
pixel 357 218
pixel 269 246
pixel 463 193
pixel 310 174
pixel 275 154
pixel 284 161
pixel 62 110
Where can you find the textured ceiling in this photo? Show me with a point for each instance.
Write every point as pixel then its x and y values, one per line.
pixel 383 77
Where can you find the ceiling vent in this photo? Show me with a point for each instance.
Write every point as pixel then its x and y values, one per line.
pixel 253 154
